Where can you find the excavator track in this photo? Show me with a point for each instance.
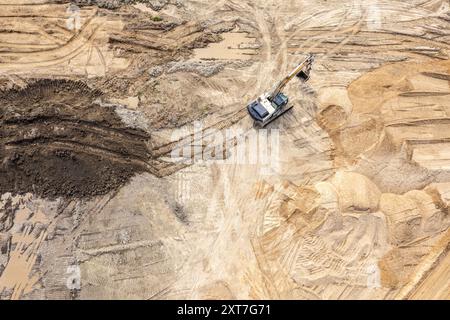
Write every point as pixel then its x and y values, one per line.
pixel 259 125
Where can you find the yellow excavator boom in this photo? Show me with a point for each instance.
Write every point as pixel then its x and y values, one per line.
pixel 306 63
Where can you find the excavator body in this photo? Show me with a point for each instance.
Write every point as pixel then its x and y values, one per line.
pixel 264 111
pixel 269 106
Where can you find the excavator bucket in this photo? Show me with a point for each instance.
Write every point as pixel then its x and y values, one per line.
pixel 304 76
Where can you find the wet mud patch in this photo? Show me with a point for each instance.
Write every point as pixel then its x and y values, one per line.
pixel 58 140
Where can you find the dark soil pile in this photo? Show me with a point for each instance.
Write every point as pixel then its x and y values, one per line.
pixel 57 141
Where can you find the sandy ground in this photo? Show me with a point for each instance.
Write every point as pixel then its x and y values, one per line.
pixel 355 204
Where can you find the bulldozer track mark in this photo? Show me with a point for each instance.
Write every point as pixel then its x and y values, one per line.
pixel 295 34
pixel 439 76
pixel 74 46
pixel 102 58
pixel 167 148
pixel 77 124
pixel 91 149
pixel 430 121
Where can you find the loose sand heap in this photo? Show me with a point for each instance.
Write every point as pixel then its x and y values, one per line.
pixel 96 97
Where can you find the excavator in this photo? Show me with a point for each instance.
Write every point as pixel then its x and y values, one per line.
pixel 270 105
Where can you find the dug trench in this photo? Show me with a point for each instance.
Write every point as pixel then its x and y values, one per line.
pixel 58 140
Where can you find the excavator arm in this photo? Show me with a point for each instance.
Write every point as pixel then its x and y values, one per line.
pixel 305 65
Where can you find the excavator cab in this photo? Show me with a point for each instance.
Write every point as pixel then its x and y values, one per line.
pixel 264 110
pixel 257 111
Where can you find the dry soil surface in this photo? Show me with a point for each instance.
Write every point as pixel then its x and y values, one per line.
pixel 96 96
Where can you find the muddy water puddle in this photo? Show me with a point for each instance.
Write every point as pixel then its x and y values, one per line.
pixel 234 46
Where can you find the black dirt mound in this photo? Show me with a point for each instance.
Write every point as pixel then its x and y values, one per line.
pixel 56 140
